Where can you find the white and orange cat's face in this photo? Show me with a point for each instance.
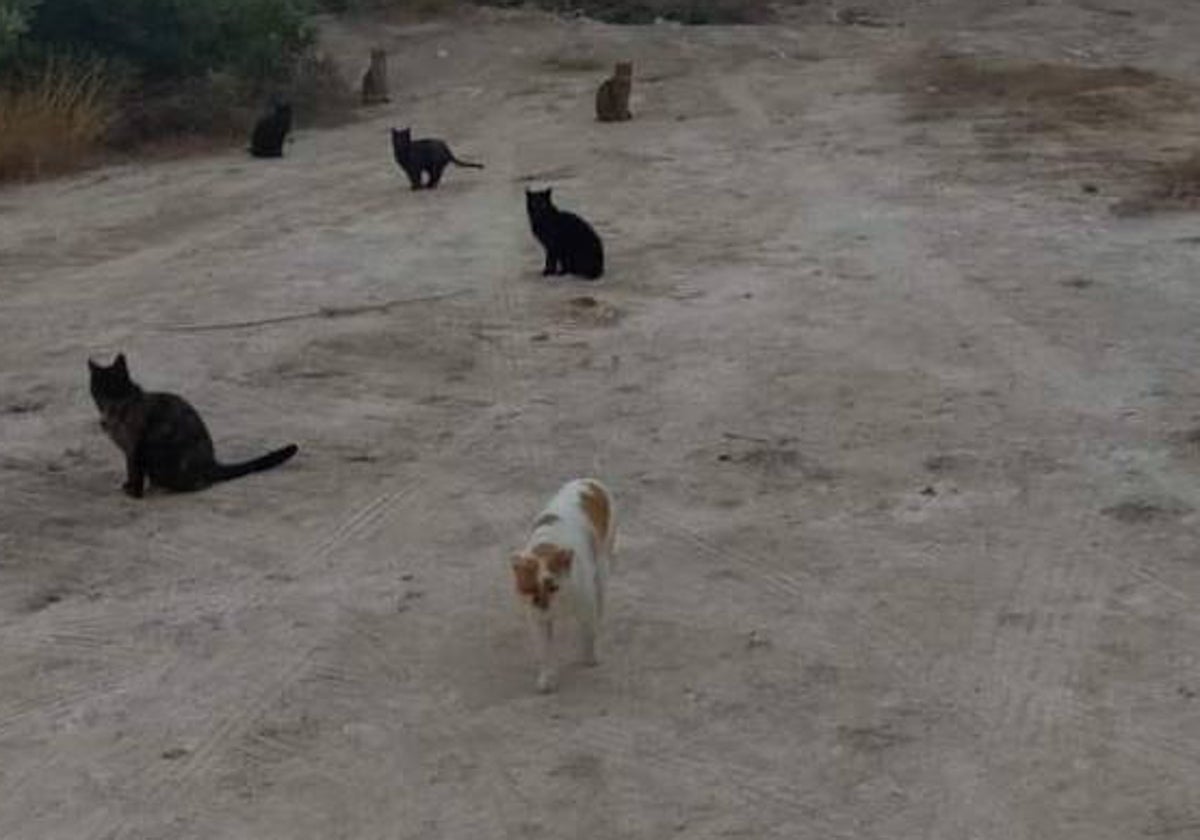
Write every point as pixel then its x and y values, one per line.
pixel 538 573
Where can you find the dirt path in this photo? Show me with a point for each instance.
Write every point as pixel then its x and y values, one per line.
pixel 901 422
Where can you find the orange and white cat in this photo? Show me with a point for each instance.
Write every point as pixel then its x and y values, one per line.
pixel 564 567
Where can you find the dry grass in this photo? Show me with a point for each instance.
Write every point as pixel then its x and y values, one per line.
pixel 1180 181
pixel 1169 187
pixel 54 120
pixel 572 63
pixel 391 8
pixel 1069 122
pixel 1040 96
pixel 695 12
pixel 220 109
pixel 319 92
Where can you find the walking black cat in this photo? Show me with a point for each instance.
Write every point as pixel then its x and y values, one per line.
pixel 162 436
pixel 572 245
pixel 271 131
pixel 429 155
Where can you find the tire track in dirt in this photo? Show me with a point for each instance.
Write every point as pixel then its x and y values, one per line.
pixel 735 90
pixel 1043 632
pixel 512 302
pixel 242 712
pixel 101 640
pixel 1029 663
pixel 752 789
pixel 313 201
pixel 1019 668
pixel 905 652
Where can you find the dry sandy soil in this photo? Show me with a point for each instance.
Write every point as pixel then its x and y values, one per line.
pixel 901 419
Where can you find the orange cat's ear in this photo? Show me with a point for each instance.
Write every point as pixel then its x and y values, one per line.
pixel 561 561
pixel 525 571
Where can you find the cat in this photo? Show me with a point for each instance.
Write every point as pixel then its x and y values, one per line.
pixel 271 131
pixel 426 155
pixel 572 245
pixel 162 436
pixel 374 81
pixel 564 567
pixel 612 97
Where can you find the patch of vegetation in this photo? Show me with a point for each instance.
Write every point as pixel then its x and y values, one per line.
pixel 1044 96
pixel 1180 181
pixel 695 12
pixel 80 74
pixel 55 116
pixel 172 39
pixel 1168 187
pixel 567 63
pixel 420 8
pixel 1100 123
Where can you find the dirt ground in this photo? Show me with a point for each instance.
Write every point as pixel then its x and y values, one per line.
pixel 901 417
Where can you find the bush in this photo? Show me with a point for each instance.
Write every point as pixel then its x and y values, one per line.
pixel 14 23
pixel 318 92
pixel 216 105
pixel 55 117
pixel 175 39
pixel 418 7
pixel 187 67
pixel 647 11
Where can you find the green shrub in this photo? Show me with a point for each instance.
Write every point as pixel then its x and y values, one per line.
pixel 215 105
pixel 647 11
pixel 14 23
pixel 419 7
pixel 166 39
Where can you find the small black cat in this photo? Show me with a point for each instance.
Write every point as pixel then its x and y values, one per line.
pixel 572 245
pixel 271 131
pixel 427 155
pixel 162 436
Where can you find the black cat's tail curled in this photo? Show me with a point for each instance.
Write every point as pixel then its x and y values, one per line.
pixel 472 165
pixel 225 472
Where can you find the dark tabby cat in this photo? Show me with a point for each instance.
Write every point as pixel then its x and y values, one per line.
pixel 612 97
pixel 428 155
pixel 572 246
pixel 162 436
pixel 271 131
pixel 374 81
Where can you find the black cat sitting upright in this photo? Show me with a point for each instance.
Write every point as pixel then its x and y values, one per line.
pixel 427 156
pixel 271 131
pixel 162 436
pixel 572 245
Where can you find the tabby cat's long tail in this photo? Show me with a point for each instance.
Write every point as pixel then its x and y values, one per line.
pixel 455 160
pixel 225 472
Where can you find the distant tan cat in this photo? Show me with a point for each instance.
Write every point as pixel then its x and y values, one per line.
pixel 374 81
pixel 612 97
